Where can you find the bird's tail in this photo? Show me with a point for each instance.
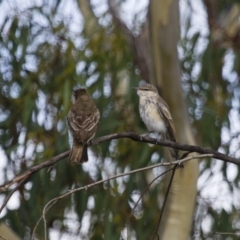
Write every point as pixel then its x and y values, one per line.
pixel 173 151
pixel 78 154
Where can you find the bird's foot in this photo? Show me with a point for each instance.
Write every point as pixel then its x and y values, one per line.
pixel 143 135
pixel 180 164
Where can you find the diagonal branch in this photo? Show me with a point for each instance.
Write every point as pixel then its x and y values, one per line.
pixel 165 201
pixel 138 44
pixel 148 186
pixel 91 21
pixel 33 170
pixel 131 135
pixel 127 33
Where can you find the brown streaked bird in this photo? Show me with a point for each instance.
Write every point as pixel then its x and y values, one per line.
pixel 155 114
pixel 82 120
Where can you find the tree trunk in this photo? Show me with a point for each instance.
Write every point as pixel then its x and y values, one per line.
pixel 166 75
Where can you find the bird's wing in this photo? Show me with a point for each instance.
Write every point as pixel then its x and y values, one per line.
pixel 90 121
pixel 165 113
pixel 83 121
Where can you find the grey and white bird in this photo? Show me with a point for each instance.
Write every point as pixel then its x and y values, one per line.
pixel 83 118
pixel 155 114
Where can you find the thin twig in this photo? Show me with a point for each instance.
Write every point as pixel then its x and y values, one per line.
pixel 86 187
pixel 165 201
pixel 35 228
pixel 44 218
pixel 45 222
pixel 144 191
pixel 11 193
pixel 228 233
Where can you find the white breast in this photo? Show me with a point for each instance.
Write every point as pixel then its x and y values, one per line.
pixel 151 116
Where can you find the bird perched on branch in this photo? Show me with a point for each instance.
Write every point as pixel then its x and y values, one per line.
pixel 82 120
pixel 155 114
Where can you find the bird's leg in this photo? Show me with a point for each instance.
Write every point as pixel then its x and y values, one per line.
pixel 180 164
pixel 154 135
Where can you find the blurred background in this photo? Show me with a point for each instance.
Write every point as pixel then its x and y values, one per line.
pixel 189 49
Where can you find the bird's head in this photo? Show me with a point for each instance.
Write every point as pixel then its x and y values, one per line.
pixel 146 90
pixel 78 92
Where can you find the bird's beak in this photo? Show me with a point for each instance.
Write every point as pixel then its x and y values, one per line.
pixel 136 88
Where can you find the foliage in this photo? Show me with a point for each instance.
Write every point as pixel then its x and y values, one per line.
pixel 41 62
pixel 211 84
pixel 40 65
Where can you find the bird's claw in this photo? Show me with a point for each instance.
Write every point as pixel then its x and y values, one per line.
pixel 180 164
pixel 143 135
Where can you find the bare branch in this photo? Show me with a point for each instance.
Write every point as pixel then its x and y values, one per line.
pixel 33 170
pixel 165 201
pixel 134 137
pixel 120 23
pixel 86 187
pixel 184 147
pixel 138 44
